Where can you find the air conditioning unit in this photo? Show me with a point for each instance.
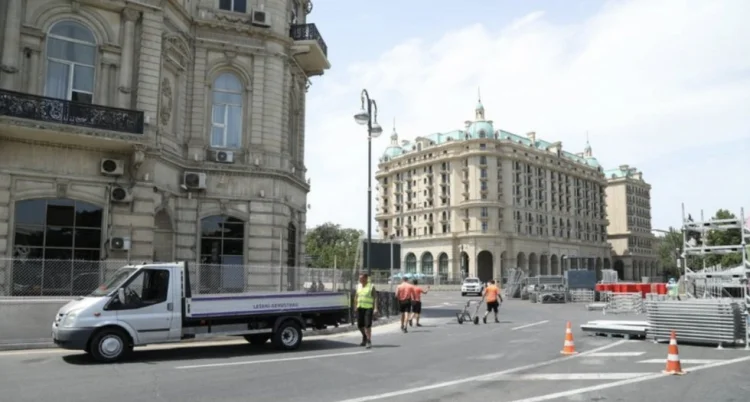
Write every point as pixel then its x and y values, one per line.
pixel 222 156
pixel 121 195
pixel 259 18
pixel 111 167
pixel 119 243
pixel 192 181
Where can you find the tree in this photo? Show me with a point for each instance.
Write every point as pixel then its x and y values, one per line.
pixel 670 248
pixel 730 237
pixel 330 244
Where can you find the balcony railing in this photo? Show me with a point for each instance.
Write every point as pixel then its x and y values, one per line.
pixel 41 108
pixel 308 32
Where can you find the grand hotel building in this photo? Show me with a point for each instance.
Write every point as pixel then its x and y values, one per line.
pixel 480 201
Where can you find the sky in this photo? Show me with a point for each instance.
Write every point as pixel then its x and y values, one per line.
pixel 661 85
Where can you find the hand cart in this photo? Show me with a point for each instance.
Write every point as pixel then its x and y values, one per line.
pixel 465 315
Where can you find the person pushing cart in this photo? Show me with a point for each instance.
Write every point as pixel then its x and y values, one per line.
pixel 491 295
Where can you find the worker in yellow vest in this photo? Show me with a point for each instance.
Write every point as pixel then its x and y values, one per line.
pixel 366 301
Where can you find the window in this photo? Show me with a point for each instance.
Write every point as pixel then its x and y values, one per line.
pixel 411 263
pixel 149 287
pixel 291 246
pixel 221 254
pixel 71 54
pixel 427 263
pixel 238 6
pixel 57 244
pixel 226 126
pixel 443 266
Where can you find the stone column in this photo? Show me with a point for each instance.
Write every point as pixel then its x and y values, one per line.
pixel 12 38
pixel 105 80
pixel 34 56
pixel 125 79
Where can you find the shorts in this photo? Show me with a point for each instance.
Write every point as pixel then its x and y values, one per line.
pixel 492 306
pixel 404 306
pixel 416 307
pixel 364 317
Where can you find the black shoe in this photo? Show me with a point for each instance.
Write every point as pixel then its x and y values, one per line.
pixel 405 330
pixel 497 321
pixel 369 345
pixel 484 319
pixel 419 325
pixel 411 323
pixel 364 342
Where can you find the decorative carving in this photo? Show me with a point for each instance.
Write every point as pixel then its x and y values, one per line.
pixel 75 6
pixel 8 69
pixel 229 55
pixel 177 50
pixel 131 15
pixel 165 111
pixel 165 198
pixel 223 207
pixel 62 189
pixel 125 90
pixel 40 108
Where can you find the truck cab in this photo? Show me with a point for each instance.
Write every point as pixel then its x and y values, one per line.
pixel 153 303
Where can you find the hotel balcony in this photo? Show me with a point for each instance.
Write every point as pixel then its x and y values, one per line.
pixel 39 118
pixel 309 49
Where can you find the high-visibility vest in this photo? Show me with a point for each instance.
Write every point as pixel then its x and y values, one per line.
pixel 364 297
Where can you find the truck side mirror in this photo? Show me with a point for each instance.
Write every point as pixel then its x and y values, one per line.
pixel 121 295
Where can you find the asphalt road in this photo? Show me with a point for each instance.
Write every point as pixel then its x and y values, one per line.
pixel 518 360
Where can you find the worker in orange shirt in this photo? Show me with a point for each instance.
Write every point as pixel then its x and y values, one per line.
pixel 404 294
pixel 491 295
pixel 416 302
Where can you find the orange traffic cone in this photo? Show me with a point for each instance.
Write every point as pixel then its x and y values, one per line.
pixel 673 358
pixel 569 348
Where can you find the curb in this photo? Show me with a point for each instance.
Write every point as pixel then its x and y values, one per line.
pixel 46 344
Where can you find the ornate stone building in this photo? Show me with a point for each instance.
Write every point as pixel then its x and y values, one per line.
pixel 479 201
pixel 629 210
pixel 153 130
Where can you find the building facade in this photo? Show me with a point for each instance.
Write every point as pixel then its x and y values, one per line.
pixel 480 201
pixel 153 130
pixel 634 250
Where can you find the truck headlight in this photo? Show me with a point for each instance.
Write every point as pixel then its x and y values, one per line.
pixel 70 319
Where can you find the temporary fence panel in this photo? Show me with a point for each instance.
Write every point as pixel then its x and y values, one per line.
pixel 621 303
pixel 582 296
pixel 710 321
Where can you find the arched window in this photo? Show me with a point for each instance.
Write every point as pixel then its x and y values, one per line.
pixel 411 263
pixel 71 57
pixel 54 239
pixel 222 267
pixel 226 126
pixel 443 266
pixel 427 261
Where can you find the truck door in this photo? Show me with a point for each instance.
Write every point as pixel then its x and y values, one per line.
pixel 148 305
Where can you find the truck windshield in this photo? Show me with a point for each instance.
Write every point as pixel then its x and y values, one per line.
pixel 114 282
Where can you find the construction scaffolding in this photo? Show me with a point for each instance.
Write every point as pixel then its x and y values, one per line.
pixel 719 283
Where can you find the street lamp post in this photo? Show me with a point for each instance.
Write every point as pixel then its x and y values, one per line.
pixel 366 116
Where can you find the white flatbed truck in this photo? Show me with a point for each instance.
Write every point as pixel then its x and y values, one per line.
pixel 153 304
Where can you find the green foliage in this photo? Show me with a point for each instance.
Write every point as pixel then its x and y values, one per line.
pixel 670 248
pixel 724 238
pixel 329 243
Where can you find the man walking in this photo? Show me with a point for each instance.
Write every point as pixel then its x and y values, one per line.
pixel 366 301
pixel 403 294
pixel 416 302
pixel 491 294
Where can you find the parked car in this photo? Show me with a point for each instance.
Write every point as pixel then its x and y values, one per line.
pixel 472 285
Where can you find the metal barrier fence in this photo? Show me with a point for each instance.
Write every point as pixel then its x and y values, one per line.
pixel 40 277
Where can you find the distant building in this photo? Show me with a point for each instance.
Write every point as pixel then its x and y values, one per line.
pixel 629 231
pixel 480 201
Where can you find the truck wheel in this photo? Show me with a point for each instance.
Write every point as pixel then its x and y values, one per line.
pixel 257 339
pixel 110 345
pixel 288 336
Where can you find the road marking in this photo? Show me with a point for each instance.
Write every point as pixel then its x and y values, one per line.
pixel 567 376
pixel 444 384
pixel 579 391
pixel 530 325
pixel 617 354
pixel 287 359
pixel 684 361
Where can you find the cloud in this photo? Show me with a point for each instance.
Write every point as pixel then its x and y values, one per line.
pixel 649 81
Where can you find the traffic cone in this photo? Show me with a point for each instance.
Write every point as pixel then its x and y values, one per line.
pixel 569 348
pixel 673 358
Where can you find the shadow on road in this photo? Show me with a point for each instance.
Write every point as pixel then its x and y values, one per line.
pixel 187 352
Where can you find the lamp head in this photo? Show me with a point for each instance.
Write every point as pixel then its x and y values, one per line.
pixel 362 117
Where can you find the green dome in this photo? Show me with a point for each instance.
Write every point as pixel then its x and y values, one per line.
pixel 480 129
pixel 591 161
pixel 393 151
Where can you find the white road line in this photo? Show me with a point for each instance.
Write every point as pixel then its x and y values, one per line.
pixel 684 361
pixel 461 381
pixel 579 391
pixel 287 359
pixel 568 376
pixel 617 354
pixel 530 325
